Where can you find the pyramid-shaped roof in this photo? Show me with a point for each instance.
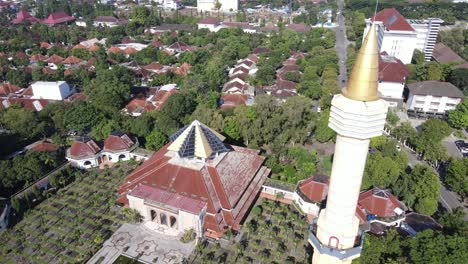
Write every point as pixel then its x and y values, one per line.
pixel 197 140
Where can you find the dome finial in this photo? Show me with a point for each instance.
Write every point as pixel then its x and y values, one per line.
pixel 363 81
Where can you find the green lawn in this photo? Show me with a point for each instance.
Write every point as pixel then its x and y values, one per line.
pixel 278 234
pixel 70 226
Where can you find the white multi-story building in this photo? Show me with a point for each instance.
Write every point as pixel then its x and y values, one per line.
pixel 427 31
pixel 169 4
pixel 400 37
pixel 51 90
pixel 433 97
pixel 226 5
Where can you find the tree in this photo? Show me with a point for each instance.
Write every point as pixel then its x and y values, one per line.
pixel 323 133
pixel 425 187
pixel 418 57
pixel 459 78
pixel 104 129
pixel 428 141
pixel 156 140
pixel 433 247
pixel 178 106
pixel 18 77
pixel 457 176
pixel 22 121
pixel 458 118
pixel 454 222
pixel 110 89
pixel 81 116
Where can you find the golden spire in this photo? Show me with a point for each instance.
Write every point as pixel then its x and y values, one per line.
pixel 363 81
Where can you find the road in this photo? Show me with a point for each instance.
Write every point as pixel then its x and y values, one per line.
pixel 448 199
pixel 341 44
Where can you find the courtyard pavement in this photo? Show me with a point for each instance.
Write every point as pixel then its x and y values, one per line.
pixel 144 244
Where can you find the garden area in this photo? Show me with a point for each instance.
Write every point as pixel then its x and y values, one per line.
pixel 71 225
pixel 272 233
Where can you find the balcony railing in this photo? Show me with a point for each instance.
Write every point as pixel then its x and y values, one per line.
pixel 341 254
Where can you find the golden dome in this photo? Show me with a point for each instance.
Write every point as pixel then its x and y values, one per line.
pixel 363 81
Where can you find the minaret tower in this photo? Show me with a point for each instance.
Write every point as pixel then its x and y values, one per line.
pixel 357 115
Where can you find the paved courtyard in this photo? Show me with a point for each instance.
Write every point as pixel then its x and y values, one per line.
pixel 144 244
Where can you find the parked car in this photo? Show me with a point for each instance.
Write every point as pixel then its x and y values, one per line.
pixel 462 146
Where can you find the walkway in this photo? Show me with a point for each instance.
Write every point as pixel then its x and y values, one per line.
pixel 137 241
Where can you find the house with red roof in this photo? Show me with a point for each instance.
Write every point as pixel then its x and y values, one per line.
pixel 85 153
pixel 118 146
pixel 195 182
pixel 8 88
pixel 377 208
pixel 399 37
pixel 56 18
pixel 392 79
pixel 150 101
pixel 24 17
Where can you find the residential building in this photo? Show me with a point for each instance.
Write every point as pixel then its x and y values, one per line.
pixel 23 17
pixel 196 182
pixel 169 4
pixel 444 54
pixel 399 37
pixel 85 153
pixel 226 5
pixel 214 25
pixel 108 21
pixel 51 90
pixel 56 18
pixel 433 97
pixel 392 79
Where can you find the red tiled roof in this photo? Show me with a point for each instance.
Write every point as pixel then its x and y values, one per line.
pixel 157 196
pixel 379 202
pixel 161 97
pixel 289 68
pixel 209 21
pixel 154 66
pixel 78 46
pixel 21 55
pixel 392 69
pixel 44 146
pixel 83 149
pixel 55 59
pixel 46 45
pixel 130 50
pixel 302 27
pixel 24 16
pixel 139 105
pixel 393 20
pixel 233 100
pixel 28 103
pixel 444 54
pixel 71 60
pixel 114 49
pixel 48 71
pixel 93 48
pixel 228 187
pixel 7 88
pixel 38 57
pixel 183 70
pixel 285 85
pixel 57 18
pixel 252 57
pixel 118 142
pixel 315 188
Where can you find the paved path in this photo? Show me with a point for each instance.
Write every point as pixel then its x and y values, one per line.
pixel 341 44
pixel 137 241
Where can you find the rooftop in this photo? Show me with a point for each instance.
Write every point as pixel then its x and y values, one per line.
pixel 393 20
pixel 435 88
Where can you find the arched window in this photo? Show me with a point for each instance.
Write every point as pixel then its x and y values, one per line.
pixel 163 219
pixel 121 156
pixel 172 220
pixel 333 240
pixel 153 215
pixel 87 163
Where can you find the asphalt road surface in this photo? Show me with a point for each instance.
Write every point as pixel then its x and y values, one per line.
pixel 341 44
